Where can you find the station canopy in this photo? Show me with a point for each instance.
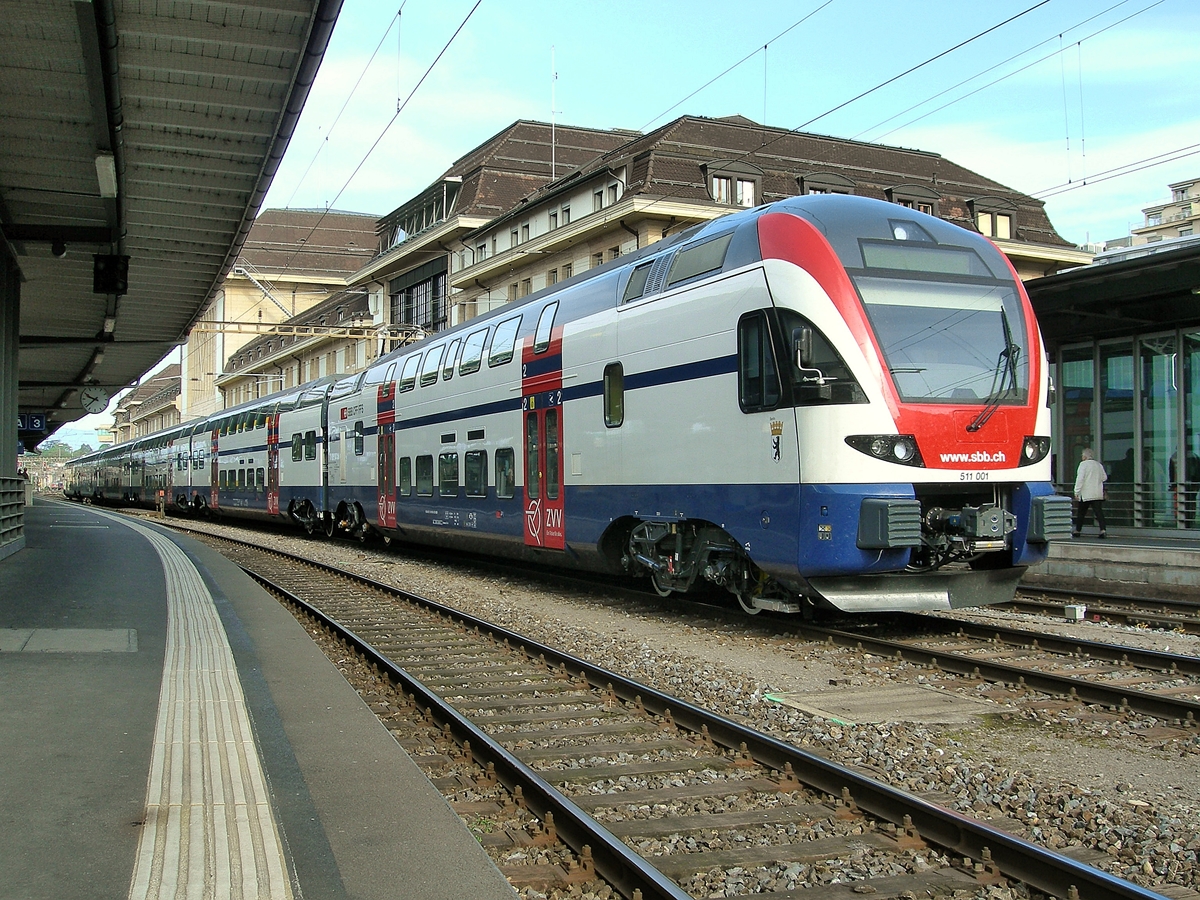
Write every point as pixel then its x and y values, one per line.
pixel 140 130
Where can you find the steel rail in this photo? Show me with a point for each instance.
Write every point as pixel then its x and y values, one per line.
pixel 1115 696
pixel 1119 653
pixel 1036 866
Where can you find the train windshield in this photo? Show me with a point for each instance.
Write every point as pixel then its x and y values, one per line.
pixel 947 340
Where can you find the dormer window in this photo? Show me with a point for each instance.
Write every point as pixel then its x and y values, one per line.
pixel 915 196
pixel 733 182
pixel 825 183
pixel 995 217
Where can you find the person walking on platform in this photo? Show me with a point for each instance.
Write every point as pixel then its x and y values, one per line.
pixel 1089 492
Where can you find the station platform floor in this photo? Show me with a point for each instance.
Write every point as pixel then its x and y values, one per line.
pixel 1138 562
pixel 168 729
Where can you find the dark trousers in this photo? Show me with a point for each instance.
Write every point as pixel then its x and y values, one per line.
pixel 1082 511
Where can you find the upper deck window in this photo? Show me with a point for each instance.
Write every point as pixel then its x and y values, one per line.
pixel 504 341
pixel 699 259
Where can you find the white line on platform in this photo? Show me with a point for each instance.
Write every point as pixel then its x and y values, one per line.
pixel 209 829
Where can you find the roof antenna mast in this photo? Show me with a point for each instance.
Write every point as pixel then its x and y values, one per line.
pixel 553 85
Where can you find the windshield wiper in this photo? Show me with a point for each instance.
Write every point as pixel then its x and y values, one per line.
pixel 1006 364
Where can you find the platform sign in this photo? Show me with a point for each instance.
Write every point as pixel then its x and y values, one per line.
pixel 31 421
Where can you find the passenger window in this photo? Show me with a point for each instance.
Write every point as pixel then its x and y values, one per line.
pixel 359 439
pixel 408 375
pixel 241 478
pixel 451 357
pixel 405 477
pixel 221 480
pixel 433 361
pixel 297 447
pixel 310 445
pixel 506 469
pixel 448 475
pixel 504 341
pixel 424 476
pixel 614 395
pixel 545 327
pixel 698 259
pixel 475 473
pixel 262 481
pixel 637 282
pixel 758 375
pixel 472 352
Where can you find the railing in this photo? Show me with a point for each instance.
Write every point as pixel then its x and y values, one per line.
pixel 12 514
pixel 1138 505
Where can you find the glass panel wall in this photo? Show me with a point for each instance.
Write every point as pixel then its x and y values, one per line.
pixel 1078 393
pixel 1159 400
pixel 1191 428
pixel 1117 445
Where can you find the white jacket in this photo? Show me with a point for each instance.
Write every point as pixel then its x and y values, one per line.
pixel 1089 480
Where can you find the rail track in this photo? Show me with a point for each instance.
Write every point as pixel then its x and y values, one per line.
pixel 1153 612
pixel 580 773
pixel 1118 678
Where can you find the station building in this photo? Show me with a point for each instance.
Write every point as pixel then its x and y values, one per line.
pixel 1124 340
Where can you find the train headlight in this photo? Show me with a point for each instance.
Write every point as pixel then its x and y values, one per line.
pixel 893 448
pixel 1034 450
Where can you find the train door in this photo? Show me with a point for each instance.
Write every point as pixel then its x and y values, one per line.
pixel 542 412
pixel 544 507
pixel 273 465
pixel 213 498
pixel 385 477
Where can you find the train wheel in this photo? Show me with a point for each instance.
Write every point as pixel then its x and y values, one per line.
pixel 329 525
pixel 748 604
pixel 659 588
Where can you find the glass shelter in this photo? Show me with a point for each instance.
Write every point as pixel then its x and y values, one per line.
pixel 1136 401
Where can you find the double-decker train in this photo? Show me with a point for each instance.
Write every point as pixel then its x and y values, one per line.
pixel 823 400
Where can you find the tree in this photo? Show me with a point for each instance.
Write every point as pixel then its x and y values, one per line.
pixel 82 451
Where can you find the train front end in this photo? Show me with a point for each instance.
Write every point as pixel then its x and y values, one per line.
pixel 922 411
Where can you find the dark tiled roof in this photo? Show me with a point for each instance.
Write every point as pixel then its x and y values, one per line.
pixel 511 164
pixel 354 304
pixel 668 163
pixel 310 242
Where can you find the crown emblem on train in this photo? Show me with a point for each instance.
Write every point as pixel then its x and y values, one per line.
pixel 776 427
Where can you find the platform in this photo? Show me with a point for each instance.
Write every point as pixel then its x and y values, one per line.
pixel 168 729
pixel 1140 563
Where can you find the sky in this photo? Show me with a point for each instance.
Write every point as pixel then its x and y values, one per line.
pixel 1087 104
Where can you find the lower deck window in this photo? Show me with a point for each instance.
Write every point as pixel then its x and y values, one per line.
pixel 405 479
pixel 448 474
pixel 425 476
pixel 475 472
pixel 506 469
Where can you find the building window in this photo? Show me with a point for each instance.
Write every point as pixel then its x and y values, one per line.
pixel 1153 219
pixel 597 260
pixel 524 232
pixel 553 220
pixel 722 188
pixel 612 194
pixel 565 270
pixel 1185 232
pixel 480 253
pixel 493 245
pixel 746 193
pixel 512 292
pixel 552 277
pixel 526 287
pixel 512 238
pixel 614 252
pixel 566 215
pixel 597 201
pixel 914 196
